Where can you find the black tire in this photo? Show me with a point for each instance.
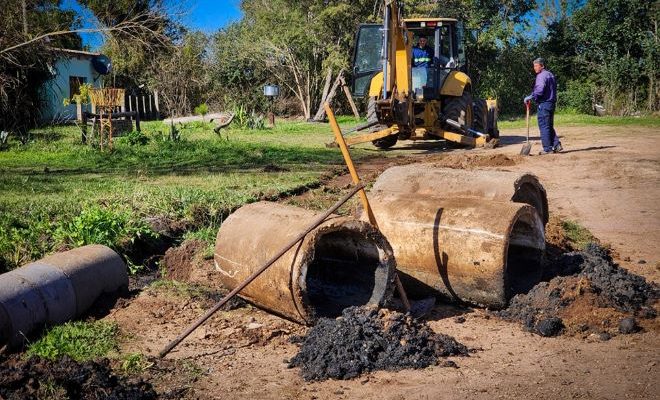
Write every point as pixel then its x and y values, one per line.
pixel 480 113
pixel 372 116
pixel 459 109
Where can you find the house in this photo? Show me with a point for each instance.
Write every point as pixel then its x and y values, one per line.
pixel 72 69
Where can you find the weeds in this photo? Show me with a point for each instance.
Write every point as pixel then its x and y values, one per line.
pixel 98 225
pixel 135 363
pixel 79 340
pixel 578 235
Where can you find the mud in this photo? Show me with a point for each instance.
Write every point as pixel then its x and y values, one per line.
pixel 366 339
pixel 591 295
pixel 180 261
pixel 470 161
pixel 37 378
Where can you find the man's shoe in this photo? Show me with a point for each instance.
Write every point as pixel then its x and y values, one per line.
pixel 558 149
pixel 542 153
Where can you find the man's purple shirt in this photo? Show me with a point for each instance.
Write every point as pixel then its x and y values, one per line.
pixel 545 87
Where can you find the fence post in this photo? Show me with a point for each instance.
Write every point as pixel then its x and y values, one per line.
pixel 156 104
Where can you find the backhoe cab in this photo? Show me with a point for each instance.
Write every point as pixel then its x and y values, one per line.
pixel 418 102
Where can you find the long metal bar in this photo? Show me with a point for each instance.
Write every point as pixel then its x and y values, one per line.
pixel 339 138
pixel 248 280
pixel 386 47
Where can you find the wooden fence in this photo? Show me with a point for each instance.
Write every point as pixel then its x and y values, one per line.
pixel 146 105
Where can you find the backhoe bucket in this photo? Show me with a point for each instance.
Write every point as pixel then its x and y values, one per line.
pixel 465 249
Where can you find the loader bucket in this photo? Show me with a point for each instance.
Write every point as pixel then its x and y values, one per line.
pixel 425 179
pixel 464 248
pixel 343 262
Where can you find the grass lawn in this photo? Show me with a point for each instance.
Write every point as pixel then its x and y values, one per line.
pixel 57 193
pixel 581 119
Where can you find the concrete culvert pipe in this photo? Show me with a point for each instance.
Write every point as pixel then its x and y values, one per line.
pixel 467 249
pixel 342 263
pixel 56 289
pixel 425 179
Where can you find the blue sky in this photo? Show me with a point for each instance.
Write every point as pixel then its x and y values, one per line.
pixel 204 15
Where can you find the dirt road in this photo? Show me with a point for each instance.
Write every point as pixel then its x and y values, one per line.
pixel 608 180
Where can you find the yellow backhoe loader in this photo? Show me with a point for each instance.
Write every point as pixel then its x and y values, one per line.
pixel 433 101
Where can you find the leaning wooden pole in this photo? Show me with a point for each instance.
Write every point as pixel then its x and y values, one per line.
pixel 339 138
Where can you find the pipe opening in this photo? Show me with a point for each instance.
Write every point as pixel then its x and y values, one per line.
pixel 524 256
pixel 348 269
pixel 529 193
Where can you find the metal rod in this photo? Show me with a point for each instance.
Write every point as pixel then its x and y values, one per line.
pixel 339 138
pixel 252 277
pixel 386 48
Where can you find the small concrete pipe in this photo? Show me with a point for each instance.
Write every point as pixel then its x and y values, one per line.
pixel 466 249
pixel 343 262
pixel 425 179
pixel 56 289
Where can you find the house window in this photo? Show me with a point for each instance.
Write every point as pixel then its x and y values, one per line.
pixel 74 85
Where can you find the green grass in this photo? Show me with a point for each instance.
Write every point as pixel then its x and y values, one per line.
pixel 577 235
pixel 79 340
pixel 581 119
pixel 57 193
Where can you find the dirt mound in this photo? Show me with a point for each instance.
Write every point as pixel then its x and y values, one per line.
pixel 469 161
pixel 366 339
pixel 592 295
pixel 181 260
pixel 65 378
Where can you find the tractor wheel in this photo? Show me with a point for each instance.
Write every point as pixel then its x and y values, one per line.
pixel 385 142
pixel 480 112
pixel 459 109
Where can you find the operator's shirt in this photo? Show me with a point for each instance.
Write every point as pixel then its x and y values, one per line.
pixel 422 57
pixel 545 88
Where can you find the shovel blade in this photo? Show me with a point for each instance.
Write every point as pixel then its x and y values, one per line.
pixel 526 149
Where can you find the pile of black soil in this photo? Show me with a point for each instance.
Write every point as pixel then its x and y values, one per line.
pixel 366 339
pixel 37 378
pixel 592 295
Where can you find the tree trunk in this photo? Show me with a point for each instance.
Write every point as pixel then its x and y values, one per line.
pixel 320 114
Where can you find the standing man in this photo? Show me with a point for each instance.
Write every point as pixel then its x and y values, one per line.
pixel 422 54
pixel 545 95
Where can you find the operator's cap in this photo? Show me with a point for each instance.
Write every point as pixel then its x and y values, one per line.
pixel 539 60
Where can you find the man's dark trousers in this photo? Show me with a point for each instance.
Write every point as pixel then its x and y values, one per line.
pixel 546 117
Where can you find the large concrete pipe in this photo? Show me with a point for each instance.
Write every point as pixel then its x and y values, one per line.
pixel 466 249
pixel 56 289
pixel 425 179
pixel 342 263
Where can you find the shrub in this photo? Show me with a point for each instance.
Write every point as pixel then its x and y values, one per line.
pixel 577 98
pixel 136 138
pixel 98 225
pixel 202 110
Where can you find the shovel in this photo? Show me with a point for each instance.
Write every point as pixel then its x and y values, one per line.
pixel 527 147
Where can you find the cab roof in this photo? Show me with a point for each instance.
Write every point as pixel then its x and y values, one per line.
pixel 430 20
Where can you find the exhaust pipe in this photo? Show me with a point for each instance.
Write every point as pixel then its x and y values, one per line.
pixel 343 262
pixel 56 289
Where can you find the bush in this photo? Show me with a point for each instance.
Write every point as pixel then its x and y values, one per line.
pixel 577 97
pixel 98 225
pixel 136 138
pixel 202 110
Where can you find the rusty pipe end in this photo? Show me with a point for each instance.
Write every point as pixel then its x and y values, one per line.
pixel 349 263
